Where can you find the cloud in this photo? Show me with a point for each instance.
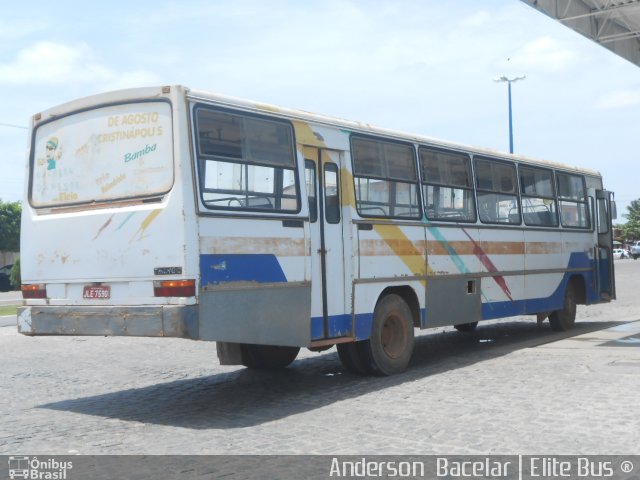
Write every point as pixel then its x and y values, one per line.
pixel 544 54
pixel 49 63
pixel 17 28
pixel 619 99
pixel 478 19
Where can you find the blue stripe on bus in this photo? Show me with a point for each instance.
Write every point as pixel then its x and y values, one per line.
pixel 547 304
pixel 340 326
pixel 224 268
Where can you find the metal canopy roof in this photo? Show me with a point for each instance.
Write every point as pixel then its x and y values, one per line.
pixel 614 24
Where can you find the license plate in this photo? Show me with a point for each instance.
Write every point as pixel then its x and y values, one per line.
pixel 100 292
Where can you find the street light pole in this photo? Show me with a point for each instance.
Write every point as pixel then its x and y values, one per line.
pixel 509 81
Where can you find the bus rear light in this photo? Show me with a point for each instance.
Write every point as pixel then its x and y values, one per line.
pixel 174 288
pixel 34 291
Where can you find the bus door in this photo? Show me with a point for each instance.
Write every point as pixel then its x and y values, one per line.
pixel 322 170
pixel 604 260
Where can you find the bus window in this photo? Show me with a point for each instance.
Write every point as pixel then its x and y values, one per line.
pixel 603 216
pixel 386 180
pixel 573 201
pixel 246 163
pixel 538 197
pixel 331 193
pixel 310 178
pixel 97 156
pixel 497 192
pixel 447 188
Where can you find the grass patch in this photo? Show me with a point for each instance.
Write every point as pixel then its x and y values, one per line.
pixel 8 309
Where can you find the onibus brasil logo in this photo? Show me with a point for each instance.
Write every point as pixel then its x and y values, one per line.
pixel 32 468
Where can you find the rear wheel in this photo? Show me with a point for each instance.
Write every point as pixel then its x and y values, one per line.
pixel 355 357
pixel 391 343
pixel 563 319
pixel 466 327
pixel 268 357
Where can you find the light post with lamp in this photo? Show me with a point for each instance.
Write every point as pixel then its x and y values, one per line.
pixel 504 78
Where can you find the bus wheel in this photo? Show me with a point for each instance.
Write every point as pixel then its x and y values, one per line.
pixel 466 327
pixel 563 319
pixel 354 357
pixel 267 357
pixel 391 342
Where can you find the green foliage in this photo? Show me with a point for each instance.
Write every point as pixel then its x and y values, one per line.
pixel 14 277
pixel 10 226
pixel 631 229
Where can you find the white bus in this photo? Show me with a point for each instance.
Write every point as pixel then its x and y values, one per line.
pixel 175 212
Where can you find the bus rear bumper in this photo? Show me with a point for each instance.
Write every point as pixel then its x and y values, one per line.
pixel 179 321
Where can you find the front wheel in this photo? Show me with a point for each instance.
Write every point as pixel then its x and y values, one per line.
pixel 267 357
pixel 563 319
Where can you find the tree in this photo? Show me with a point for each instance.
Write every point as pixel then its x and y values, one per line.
pixel 14 278
pixel 631 229
pixel 10 226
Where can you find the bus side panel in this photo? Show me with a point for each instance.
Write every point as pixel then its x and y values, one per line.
pixel 470 265
pixel 501 252
pixel 389 251
pixel 544 254
pixel 452 301
pixel 388 256
pixel 578 250
pixel 254 287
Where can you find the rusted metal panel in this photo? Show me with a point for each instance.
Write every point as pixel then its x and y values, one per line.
pixel 148 321
pixel 261 314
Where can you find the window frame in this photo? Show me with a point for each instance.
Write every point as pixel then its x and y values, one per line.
pixel 201 158
pixel 310 166
pixel 523 195
pixel 393 182
pixel 585 201
pixel 333 216
pixel 479 190
pixel 425 183
pixel 107 201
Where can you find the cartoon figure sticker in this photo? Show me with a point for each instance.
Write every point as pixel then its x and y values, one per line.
pixel 53 153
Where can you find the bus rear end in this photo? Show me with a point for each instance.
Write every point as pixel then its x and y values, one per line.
pixel 105 242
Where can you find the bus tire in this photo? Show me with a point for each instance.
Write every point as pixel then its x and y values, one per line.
pixel 466 327
pixel 391 342
pixel 268 357
pixel 354 357
pixel 563 319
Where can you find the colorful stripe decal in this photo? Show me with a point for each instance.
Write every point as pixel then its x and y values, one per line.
pixel 404 248
pixel 103 227
pixel 140 233
pixel 489 265
pixel 278 246
pixel 440 238
pixel 374 248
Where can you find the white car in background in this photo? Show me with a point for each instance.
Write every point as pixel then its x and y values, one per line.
pixel 620 253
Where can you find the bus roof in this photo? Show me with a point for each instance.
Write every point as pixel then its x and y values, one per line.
pixel 259 107
pixel 367 128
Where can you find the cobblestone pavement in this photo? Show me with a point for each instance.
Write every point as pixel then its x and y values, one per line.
pixel 509 387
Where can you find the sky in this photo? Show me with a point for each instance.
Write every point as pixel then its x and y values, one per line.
pixel 421 66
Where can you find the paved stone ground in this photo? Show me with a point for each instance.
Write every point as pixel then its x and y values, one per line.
pixel 509 387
